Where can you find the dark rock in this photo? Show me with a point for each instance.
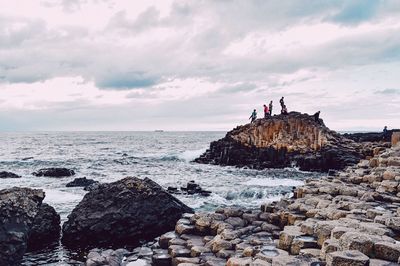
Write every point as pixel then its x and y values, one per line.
pixel 284 141
pixel 91 187
pixel 81 182
pixel 4 174
pixel 18 209
pixel 371 136
pixel 122 213
pixel 54 172
pixel 46 228
pixel 191 189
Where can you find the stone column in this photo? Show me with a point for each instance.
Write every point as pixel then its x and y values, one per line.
pixel 395 138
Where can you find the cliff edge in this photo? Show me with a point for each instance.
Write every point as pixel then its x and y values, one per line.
pixel 283 141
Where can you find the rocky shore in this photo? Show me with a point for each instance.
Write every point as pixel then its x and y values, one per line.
pixel 285 141
pixel 352 218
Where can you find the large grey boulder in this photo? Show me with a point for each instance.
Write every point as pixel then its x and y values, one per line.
pixel 122 213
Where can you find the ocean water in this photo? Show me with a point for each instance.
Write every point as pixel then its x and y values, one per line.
pixel 164 157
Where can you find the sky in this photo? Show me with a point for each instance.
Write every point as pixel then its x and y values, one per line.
pixel 196 65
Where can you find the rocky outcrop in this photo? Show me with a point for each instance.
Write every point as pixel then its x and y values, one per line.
pixel 190 189
pixel 54 172
pixel 4 174
pixel 81 182
pixel 371 136
pixel 283 141
pixel 351 218
pixel 18 208
pixel 46 228
pixel 122 213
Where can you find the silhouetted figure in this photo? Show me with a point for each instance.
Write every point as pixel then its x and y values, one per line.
pixel 253 116
pixel 270 108
pixel 284 110
pixel 266 111
pixel 385 133
pixel 316 117
pixel 282 102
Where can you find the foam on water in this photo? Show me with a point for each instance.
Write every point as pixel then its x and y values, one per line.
pixel 190 155
pixel 273 182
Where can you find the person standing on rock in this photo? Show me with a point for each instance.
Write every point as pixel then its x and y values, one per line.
pixel 316 116
pixel 282 102
pixel 266 111
pixel 253 116
pixel 385 133
pixel 284 110
pixel 270 108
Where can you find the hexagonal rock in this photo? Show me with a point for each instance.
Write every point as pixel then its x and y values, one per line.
pixel 268 253
pixel 393 223
pixel 347 258
pixel 302 242
pixel 387 251
pixel 356 241
pixel 338 231
pixel 219 244
pixel 287 235
pixel 196 251
pixel 203 224
pixel 165 238
pixel 323 230
pixel 239 262
pixel 184 229
pixel 233 212
pixel 180 260
pixel 161 260
pixel 329 246
pixel 259 262
pixel 235 221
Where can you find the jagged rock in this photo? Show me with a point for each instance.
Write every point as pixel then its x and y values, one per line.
pixel 121 213
pixel 54 172
pixel 347 258
pixel 18 209
pixel 45 229
pixel 281 141
pixel 4 174
pixel 81 182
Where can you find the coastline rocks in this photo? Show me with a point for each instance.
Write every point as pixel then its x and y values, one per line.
pixel 371 136
pixel 45 229
pixel 122 213
pixel 81 182
pixel 284 141
pixel 54 172
pixel 191 189
pixel 18 209
pixel 4 174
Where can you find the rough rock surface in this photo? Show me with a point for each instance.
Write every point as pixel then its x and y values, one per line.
pixel 122 213
pixel 45 229
pixel 18 209
pixel 4 174
pixel 81 182
pixel 371 136
pixel 54 172
pixel 284 140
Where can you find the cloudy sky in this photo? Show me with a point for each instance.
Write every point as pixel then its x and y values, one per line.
pixel 196 65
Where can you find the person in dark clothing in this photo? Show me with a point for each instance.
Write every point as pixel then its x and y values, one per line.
pixel 385 133
pixel 282 102
pixel 316 116
pixel 270 108
pixel 253 116
pixel 266 111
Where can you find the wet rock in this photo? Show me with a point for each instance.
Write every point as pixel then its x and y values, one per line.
pixel 346 258
pixel 140 209
pixel 302 242
pixel 81 182
pixel 54 172
pixel 4 174
pixel 183 260
pixel 161 260
pixel 287 236
pixel 45 228
pixel 18 209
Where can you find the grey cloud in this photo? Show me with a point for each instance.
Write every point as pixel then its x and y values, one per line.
pixel 388 91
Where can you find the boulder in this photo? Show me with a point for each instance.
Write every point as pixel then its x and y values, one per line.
pixel 18 209
pixel 122 213
pixel 4 174
pixel 45 229
pixel 81 182
pixel 54 172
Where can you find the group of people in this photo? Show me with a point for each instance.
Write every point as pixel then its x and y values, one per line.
pixel 268 110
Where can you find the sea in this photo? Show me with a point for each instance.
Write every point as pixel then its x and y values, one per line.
pixel 165 157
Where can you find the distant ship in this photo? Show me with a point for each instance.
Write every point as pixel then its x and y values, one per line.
pixel 158 130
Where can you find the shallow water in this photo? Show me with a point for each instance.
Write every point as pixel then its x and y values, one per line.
pixel 164 157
